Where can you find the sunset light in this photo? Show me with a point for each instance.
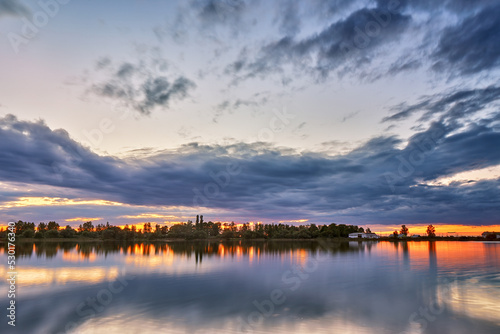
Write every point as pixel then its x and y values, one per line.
pixel 239 166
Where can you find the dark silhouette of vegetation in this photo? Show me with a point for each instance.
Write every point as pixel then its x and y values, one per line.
pixel 200 230
pixel 188 231
pixel 431 231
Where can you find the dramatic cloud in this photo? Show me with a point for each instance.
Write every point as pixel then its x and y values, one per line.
pixel 376 182
pixel 139 88
pixel 219 11
pixel 348 40
pixel 472 45
pixel 13 7
pixel 451 107
pixel 359 34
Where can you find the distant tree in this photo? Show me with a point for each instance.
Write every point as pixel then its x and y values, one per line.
pixel 368 230
pixel 313 229
pixel 42 227
pixel 87 234
pixel 52 234
pixel 395 234
pixel 197 224
pixel 53 226
pixel 28 233
pixel 199 235
pixel 147 228
pixel 215 229
pixel 227 234
pixel 431 231
pixel 88 227
pixel 201 220
pixel 109 234
pixel 404 230
pixel 100 227
pixel 23 226
pixel 68 232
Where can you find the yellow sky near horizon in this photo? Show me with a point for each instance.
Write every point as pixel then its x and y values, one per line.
pixel 146 214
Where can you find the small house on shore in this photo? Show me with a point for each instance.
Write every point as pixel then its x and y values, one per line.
pixel 363 235
pixel 486 234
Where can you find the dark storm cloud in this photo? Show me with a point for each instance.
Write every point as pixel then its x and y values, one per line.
pixel 450 107
pixel 376 182
pixel 140 88
pixel 347 40
pixel 471 46
pixel 219 11
pixel 14 8
pixel 205 17
pixel 359 34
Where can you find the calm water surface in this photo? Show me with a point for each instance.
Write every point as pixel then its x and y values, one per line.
pixel 256 287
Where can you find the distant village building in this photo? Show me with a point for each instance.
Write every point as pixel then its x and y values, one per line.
pixel 363 235
pixel 485 234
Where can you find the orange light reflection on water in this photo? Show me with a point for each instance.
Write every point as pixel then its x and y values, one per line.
pixel 420 255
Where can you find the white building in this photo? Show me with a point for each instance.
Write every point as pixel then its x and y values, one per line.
pixel 363 235
pixel 486 234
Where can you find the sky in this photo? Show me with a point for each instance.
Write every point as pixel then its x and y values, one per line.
pixel 372 113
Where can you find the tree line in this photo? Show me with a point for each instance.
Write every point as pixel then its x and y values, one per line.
pixel 200 229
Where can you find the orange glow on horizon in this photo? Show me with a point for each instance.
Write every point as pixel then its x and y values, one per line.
pixel 424 255
pixel 441 230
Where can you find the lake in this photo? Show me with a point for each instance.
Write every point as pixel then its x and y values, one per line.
pixel 256 287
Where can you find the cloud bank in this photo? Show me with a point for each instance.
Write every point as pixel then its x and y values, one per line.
pixel 381 181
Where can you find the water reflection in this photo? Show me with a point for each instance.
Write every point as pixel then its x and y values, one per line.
pixel 258 287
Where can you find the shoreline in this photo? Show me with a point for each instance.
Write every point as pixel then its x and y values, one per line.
pixel 174 240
